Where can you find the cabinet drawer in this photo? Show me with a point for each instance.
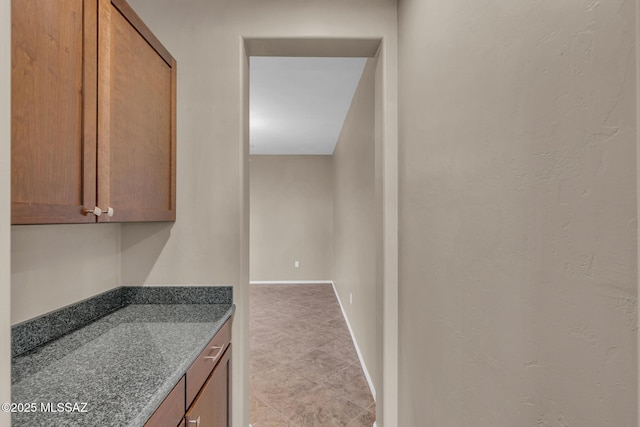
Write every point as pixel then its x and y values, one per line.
pixel 171 410
pixel 206 361
pixel 211 406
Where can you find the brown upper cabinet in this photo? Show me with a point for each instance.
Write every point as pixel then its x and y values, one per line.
pixel 93 109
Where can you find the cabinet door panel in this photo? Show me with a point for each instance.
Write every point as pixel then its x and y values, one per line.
pixel 53 110
pixel 212 404
pixel 171 410
pixel 136 141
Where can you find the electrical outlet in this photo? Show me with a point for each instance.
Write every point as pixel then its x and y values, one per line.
pixel 350 298
pixel 296 264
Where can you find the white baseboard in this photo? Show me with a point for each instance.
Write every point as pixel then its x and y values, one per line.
pixel 290 282
pixel 355 343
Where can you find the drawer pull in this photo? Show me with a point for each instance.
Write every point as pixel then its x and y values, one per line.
pixel 97 211
pixel 219 348
pixel 196 422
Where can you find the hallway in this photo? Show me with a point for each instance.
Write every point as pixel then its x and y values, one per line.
pixel 304 370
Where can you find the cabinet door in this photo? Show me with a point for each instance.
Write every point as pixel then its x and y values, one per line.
pixel 53 110
pixel 212 405
pixel 171 410
pixel 136 119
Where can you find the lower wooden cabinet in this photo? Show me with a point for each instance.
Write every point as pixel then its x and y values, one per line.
pixel 171 411
pixel 211 406
pixel 202 397
pixel 201 368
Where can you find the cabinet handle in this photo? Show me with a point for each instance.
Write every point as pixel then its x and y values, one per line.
pixel 196 422
pixel 219 348
pixel 97 211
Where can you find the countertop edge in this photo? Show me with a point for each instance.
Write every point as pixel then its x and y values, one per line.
pixel 173 380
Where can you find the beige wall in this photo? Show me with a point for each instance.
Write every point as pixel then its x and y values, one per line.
pixel 5 211
pixel 205 38
pixel 518 267
pixel 354 216
pixel 208 243
pixel 291 217
pixel 56 265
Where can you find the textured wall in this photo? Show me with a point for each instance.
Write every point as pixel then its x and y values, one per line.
pixel 5 208
pixel 354 217
pixel 518 272
pixel 291 217
pixel 208 242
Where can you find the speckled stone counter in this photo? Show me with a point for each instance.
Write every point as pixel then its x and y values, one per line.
pixel 123 364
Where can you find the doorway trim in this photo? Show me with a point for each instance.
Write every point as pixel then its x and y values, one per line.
pixel 386 152
pixel 637 52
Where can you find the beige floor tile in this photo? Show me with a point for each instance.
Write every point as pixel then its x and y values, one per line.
pixel 338 326
pixel 317 339
pixel 365 419
pixel 372 408
pixel 262 415
pixel 277 387
pixel 263 363
pixel 352 384
pixel 299 327
pixel 274 422
pixel 304 370
pixel 323 406
pixel 264 336
pixel 317 365
pixel 341 347
pixel 285 349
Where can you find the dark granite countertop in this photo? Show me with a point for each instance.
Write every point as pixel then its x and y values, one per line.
pixel 121 365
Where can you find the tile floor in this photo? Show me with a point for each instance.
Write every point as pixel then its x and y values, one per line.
pixel 304 370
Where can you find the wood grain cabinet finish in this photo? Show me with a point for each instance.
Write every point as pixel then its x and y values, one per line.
pixel 93 114
pixel 204 391
pixel 171 410
pixel 136 118
pixel 53 110
pixel 211 406
pixel 201 368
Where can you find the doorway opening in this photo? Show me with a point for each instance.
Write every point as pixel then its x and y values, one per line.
pixel 312 176
pixel 337 187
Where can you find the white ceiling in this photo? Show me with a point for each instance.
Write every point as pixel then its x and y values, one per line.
pixel 298 105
